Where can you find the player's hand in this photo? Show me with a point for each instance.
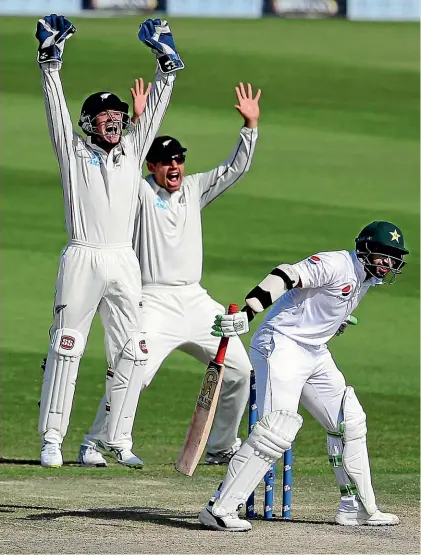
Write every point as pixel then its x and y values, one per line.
pixel 247 105
pixel 140 96
pixel 230 325
pixel 156 34
pixel 52 31
pixel 350 320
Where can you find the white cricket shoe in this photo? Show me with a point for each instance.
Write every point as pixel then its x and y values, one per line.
pixel 123 456
pixel 223 457
pixel 228 523
pixel 89 456
pixel 354 514
pixel 51 456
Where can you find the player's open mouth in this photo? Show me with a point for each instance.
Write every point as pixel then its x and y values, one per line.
pixel 111 128
pixel 173 177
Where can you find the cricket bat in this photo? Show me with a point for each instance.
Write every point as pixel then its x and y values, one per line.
pixel 202 419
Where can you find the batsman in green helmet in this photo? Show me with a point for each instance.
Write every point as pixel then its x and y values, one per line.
pixel 312 302
pixel 380 247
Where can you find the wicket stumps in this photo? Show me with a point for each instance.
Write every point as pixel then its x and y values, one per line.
pixel 271 473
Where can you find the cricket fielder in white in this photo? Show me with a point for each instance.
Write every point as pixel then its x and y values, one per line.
pixel 292 364
pixel 98 268
pixel 178 312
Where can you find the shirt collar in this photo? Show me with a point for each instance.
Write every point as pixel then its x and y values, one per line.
pixel 118 149
pixel 163 193
pixel 359 266
pixel 150 179
pixel 360 270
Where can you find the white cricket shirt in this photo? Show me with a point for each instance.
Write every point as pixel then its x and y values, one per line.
pixel 168 234
pixel 333 284
pixel 100 189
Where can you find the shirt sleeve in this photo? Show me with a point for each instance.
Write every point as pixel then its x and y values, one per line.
pixel 58 116
pixel 150 121
pixel 213 183
pixel 137 221
pixel 318 270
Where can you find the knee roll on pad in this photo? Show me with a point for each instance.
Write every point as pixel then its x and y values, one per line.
pixel 68 342
pixel 66 348
pixel 274 433
pixel 136 349
pixel 354 423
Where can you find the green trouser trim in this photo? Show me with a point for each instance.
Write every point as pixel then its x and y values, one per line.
pixel 348 489
pixel 336 460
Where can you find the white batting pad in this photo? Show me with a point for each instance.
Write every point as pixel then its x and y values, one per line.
pixel 125 388
pixel 355 456
pixel 59 382
pixel 269 439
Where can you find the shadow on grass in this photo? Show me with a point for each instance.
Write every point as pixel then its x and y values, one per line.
pixel 165 517
pixel 33 462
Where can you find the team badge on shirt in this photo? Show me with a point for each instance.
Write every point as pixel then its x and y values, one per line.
pixel 314 259
pixel 346 290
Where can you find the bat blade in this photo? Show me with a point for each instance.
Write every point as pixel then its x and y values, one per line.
pixel 202 420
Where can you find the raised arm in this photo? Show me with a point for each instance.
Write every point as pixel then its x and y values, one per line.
pixel 313 272
pixel 149 107
pixel 52 31
pixel 213 183
pixel 156 34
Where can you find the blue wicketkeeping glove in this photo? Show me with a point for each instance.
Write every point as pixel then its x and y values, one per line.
pixel 52 31
pixel 156 34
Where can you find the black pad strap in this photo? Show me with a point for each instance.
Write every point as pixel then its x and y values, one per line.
pixel 262 296
pixel 281 274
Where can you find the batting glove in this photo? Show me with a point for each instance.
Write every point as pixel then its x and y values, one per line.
pixel 156 34
pixel 230 325
pixel 350 320
pixel 52 31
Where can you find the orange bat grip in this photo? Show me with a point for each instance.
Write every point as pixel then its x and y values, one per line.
pixel 223 344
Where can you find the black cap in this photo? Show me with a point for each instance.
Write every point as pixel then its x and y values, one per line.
pixel 101 102
pixel 163 149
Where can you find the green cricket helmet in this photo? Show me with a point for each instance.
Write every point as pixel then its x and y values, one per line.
pixel 384 240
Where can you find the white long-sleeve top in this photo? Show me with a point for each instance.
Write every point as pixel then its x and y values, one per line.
pixel 333 284
pixel 168 233
pixel 100 189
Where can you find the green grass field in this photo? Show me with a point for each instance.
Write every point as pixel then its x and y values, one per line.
pixel 338 148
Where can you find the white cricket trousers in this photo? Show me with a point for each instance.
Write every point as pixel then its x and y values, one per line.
pixel 288 372
pixel 93 277
pixel 181 317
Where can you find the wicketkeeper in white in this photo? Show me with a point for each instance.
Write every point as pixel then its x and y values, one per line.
pixel 178 312
pixel 98 268
pixel 292 364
